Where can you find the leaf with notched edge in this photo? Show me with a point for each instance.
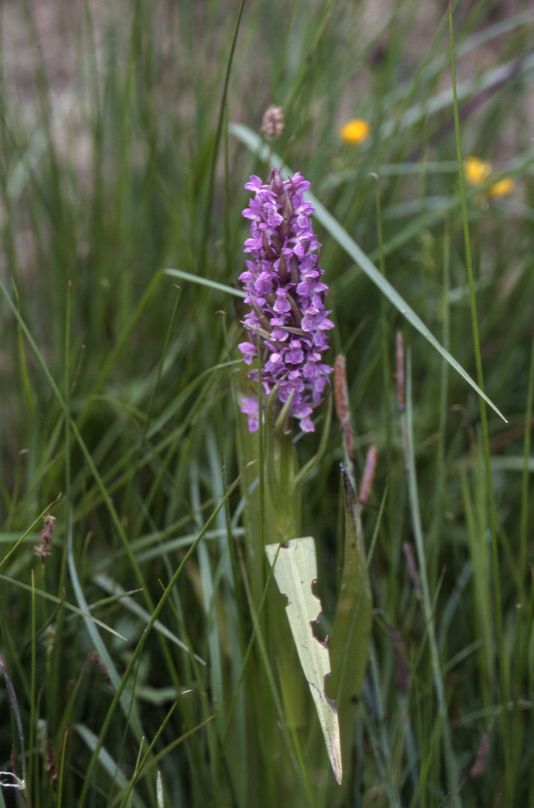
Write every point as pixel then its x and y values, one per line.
pixel 295 571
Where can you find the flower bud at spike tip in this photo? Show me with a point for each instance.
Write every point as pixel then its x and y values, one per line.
pixel 287 321
pixel 272 124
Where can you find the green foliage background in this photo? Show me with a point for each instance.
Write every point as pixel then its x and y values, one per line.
pixel 118 415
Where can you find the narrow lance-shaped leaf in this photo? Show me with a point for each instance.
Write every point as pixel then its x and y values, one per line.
pixel 295 571
pixel 351 631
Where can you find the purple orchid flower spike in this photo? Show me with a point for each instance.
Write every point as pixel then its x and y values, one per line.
pixel 287 321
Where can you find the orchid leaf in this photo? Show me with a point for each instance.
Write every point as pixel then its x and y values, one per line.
pixel 351 630
pixel 295 570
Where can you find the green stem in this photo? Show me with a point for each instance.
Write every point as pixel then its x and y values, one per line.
pixel 486 449
pixel 282 507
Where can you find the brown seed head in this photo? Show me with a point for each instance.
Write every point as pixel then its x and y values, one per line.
pixel 340 388
pixel 273 122
pixel 44 548
pixel 368 475
pixel 341 399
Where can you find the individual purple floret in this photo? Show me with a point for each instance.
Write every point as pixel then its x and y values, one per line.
pixel 287 321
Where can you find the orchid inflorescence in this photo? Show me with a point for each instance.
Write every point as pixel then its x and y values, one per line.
pixel 287 321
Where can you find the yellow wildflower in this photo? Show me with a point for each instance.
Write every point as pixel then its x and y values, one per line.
pixel 502 187
pixel 476 171
pixel 355 131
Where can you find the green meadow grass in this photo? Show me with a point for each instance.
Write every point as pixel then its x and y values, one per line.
pixel 135 670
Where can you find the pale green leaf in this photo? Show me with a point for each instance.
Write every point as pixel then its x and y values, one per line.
pixel 295 571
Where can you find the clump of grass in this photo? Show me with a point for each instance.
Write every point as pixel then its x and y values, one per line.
pixel 137 650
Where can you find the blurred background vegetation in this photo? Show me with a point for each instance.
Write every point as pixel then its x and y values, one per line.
pixel 117 415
